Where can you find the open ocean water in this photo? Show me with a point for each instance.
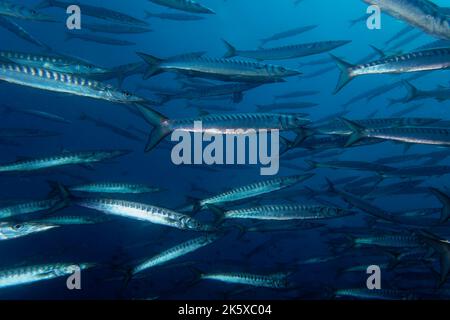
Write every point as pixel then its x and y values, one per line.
pixel 312 262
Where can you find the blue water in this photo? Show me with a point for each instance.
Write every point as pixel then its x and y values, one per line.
pixel 123 242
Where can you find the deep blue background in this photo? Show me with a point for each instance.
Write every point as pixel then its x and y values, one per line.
pixel 243 23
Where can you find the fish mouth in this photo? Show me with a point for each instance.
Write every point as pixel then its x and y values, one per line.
pixel 292 73
pixel 208 11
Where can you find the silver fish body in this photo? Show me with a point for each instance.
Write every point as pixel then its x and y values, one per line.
pixel 144 212
pixel 426 60
pixel 114 187
pixel 382 294
pixel 48 80
pixel 286 52
pixel 96 12
pixel 62 159
pixel 175 252
pixel 31 274
pixel 287 212
pixel 184 5
pixel 58 63
pixel 275 281
pixel 15 10
pixel 419 13
pixel 27 207
pixel 254 189
pixel 218 69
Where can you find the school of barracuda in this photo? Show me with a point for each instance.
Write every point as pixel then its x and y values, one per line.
pixel 409 244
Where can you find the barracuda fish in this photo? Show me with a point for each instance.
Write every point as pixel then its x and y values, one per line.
pixel 422 14
pixel 20 32
pixel 286 52
pixel 25 133
pixel 281 106
pixel 14 10
pixel 340 127
pixel 417 135
pixel 417 171
pixel 58 63
pixel 116 28
pixel 51 205
pixel 144 212
pixel 404 31
pixel 218 69
pixel 96 12
pixel 71 220
pixel 391 241
pixel 371 94
pixel 65 158
pixel 287 212
pixel 296 94
pixel 360 268
pixel 98 39
pixel 427 60
pixel 48 80
pixel 354 165
pixel 175 252
pixel 441 94
pixel 287 34
pixel 237 123
pixel 382 294
pixel 323 143
pixel 290 226
pixel 236 90
pixel 371 192
pixel 112 128
pixel 36 113
pixel 251 190
pixel 360 203
pixel 173 16
pixel 30 274
pixel 114 187
pixel 184 5
pixel 17 230
pixel 274 281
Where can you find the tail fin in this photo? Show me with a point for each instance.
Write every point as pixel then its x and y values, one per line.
pixel 331 187
pixel 231 51
pixel 380 52
pixel 63 193
pixel 302 134
pixel 357 132
pixel 345 76
pixel 312 165
pixel 445 200
pixel 159 131
pixel 443 248
pixel 412 91
pixel 287 145
pixel 218 212
pixel 153 64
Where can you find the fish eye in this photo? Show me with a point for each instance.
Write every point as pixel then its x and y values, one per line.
pixel 33 11
pixel 17 226
pixel 281 69
pixel 126 93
